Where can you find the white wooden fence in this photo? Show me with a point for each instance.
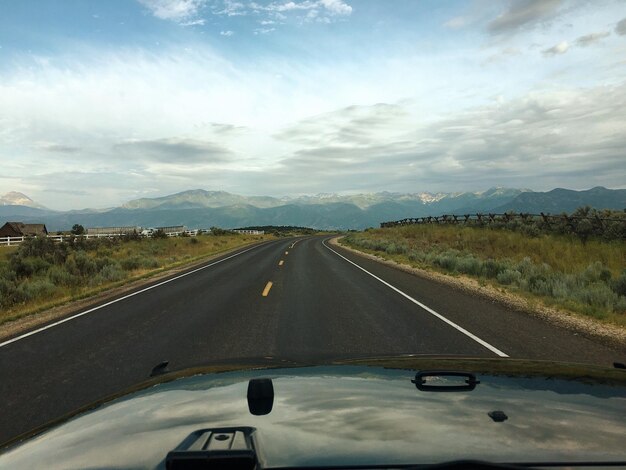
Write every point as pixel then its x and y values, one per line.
pixel 12 241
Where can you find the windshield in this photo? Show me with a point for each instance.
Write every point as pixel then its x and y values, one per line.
pixel 191 183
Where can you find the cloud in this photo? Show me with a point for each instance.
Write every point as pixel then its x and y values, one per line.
pixel 336 7
pixel 456 22
pixel 231 8
pixel 175 10
pixel 306 10
pixel 350 126
pixel 56 147
pixel 174 151
pixel 503 55
pixel 264 30
pixel 523 13
pixel 590 39
pixel 560 48
pixel 620 27
pixel 227 33
pixel 571 137
pixel 66 191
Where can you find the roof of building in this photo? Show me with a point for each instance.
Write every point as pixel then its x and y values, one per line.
pixel 26 229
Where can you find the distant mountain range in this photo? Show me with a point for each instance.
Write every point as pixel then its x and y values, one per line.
pixel 201 209
pixel 14 198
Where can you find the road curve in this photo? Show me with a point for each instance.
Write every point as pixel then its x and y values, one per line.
pixel 293 299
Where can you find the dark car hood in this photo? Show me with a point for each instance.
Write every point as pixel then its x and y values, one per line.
pixel 354 415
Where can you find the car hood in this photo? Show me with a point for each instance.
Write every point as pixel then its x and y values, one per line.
pixel 358 413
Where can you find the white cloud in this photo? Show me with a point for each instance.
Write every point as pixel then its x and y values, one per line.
pixel 227 33
pixel 620 27
pixel 560 48
pixel 522 13
pixel 456 22
pixel 311 9
pixel 590 39
pixel 337 7
pixel 176 10
pixel 264 30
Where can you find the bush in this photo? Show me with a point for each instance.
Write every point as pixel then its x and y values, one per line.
pixel 84 265
pixel 194 241
pixel 396 249
pixel 130 264
pixel 491 268
pixel 137 262
pixel 597 272
pixel 109 273
pixel 59 276
pixel 159 234
pixel 447 260
pixel 29 266
pixel 33 290
pixel 469 265
pixel 619 285
pixel 509 277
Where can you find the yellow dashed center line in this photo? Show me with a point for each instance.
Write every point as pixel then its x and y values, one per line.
pixel 280 263
pixel 267 289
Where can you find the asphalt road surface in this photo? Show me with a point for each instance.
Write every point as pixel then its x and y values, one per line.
pixel 291 299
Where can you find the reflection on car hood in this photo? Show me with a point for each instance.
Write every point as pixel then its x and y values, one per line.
pixel 351 415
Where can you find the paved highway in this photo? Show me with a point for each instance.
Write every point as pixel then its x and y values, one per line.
pixel 292 299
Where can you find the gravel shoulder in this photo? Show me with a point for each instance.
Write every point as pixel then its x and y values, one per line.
pixel 588 327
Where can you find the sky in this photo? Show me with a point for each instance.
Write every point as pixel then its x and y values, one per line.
pixel 102 102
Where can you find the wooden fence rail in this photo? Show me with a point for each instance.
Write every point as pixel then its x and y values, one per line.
pixel 489 218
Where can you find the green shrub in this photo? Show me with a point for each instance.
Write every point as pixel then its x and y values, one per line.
pixel 447 260
pixel 491 268
pixel 469 265
pixel 597 272
pixel 509 277
pixel 59 276
pixel 28 266
pixel 396 249
pixel 109 273
pixel 130 264
pixel 34 290
pixel 84 265
pixel 137 262
pixel 619 285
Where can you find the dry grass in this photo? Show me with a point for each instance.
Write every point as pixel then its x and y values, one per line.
pixel 554 270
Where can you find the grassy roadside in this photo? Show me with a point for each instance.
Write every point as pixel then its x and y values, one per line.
pixel 558 271
pixel 37 278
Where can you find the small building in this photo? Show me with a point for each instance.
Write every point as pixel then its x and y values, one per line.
pixel 172 229
pixel 20 229
pixel 249 232
pixel 113 230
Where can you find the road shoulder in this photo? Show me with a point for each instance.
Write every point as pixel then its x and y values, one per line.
pixel 27 323
pixel 601 332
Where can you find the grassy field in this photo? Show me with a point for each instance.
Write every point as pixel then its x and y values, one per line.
pixel 41 274
pixel 559 271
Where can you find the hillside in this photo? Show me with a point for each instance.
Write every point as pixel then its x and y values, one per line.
pixel 202 209
pixel 566 200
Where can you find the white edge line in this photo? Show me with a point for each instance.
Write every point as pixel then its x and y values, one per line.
pixel 428 309
pixel 43 328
